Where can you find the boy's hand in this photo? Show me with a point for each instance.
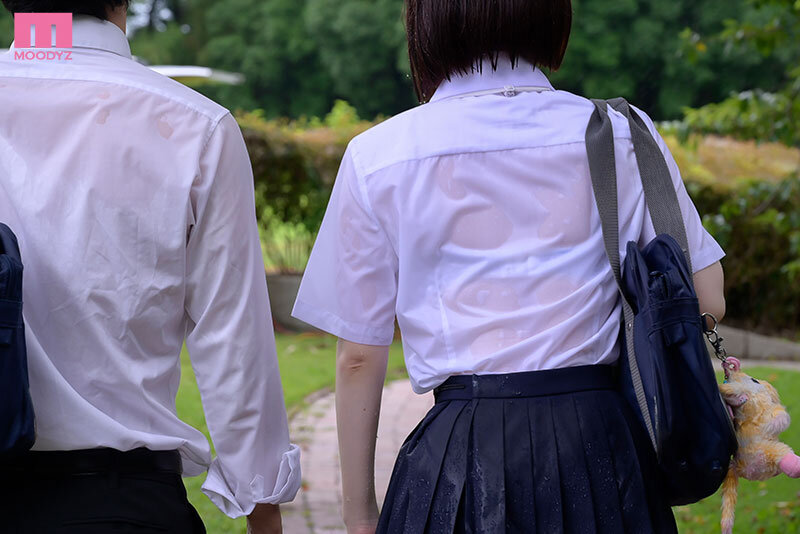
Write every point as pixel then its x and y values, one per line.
pixel 265 519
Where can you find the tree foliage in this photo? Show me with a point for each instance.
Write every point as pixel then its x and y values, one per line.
pixel 639 49
pixel 362 46
pixel 299 56
pixel 758 226
pixel 760 114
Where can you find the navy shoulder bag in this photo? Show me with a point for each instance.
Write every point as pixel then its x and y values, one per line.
pixel 666 373
pixel 16 409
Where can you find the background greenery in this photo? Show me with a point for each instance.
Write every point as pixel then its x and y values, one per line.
pixel 299 56
pixel 724 77
pixel 760 113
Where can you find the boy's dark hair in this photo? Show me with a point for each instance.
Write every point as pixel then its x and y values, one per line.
pixel 449 37
pixel 96 8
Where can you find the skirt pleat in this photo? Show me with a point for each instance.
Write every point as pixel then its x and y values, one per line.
pixel 424 450
pixel 636 518
pixel 429 455
pixel 577 505
pixel 645 471
pixel 520 502
pixel 569 463
pixel 546 479
pixel 603 481
pixel 486 495
pixel 448 497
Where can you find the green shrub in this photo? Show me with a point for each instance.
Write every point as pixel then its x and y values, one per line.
pixel 295 162
pixel 285 246
pixel 723 162
pixel 753 114
pixel 758 225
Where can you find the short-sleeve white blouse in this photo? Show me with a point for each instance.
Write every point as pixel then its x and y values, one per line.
pixel 471 219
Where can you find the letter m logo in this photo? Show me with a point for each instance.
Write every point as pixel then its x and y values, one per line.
pixel 43 24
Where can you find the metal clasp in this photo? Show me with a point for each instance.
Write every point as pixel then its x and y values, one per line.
pixel 714 338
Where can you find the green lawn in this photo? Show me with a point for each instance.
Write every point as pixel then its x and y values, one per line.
pixel 307 365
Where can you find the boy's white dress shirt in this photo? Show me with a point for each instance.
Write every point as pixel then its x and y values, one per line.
pixel 132 197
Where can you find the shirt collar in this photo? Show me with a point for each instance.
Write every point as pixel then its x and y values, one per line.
pixel 524 74
pixel 91 32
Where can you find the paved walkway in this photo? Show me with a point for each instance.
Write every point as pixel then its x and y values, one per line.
pixel 791 366
pixel 317 508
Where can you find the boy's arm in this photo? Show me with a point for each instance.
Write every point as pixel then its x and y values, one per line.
pixel 230 337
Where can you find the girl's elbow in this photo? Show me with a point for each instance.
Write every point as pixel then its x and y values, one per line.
pixel 354 358
pixel 351 362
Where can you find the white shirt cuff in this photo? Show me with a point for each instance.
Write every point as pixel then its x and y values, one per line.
pixel 243 501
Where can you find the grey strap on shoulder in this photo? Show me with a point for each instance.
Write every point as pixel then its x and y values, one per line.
pixel 659 190
pixel 660 198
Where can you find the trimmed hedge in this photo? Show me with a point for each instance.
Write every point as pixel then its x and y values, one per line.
pixel 758 226
pixel 295 162
pixel 749 196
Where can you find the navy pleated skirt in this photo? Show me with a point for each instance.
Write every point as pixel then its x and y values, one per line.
pixel 544 452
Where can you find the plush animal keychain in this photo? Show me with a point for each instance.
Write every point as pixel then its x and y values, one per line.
pixel 758 419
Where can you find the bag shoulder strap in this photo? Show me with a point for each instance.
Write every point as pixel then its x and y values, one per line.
pixel 603 169
pixel 659 191
pixel 661 200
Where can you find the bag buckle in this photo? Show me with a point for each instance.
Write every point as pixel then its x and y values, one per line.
pixel 714 338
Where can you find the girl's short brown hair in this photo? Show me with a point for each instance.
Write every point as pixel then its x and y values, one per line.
pixel 95 8
pixel 447 37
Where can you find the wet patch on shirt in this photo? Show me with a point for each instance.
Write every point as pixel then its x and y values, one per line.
pixel 482 229
pixel 555 289
pixel 494 341
pixel 575 329
pixel 102 117
pixel 164 127
pixel 445 179
pixel 555 319
pixel 567 208
pixel 369 295
pixel 348 231
pixel 490 295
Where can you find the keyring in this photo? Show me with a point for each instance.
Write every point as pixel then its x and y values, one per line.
pixel 714 338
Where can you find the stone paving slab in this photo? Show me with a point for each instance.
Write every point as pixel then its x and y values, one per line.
pixel 318 506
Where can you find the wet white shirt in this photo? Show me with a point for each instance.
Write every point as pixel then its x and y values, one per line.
pixel 132 197
pixel 472 220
